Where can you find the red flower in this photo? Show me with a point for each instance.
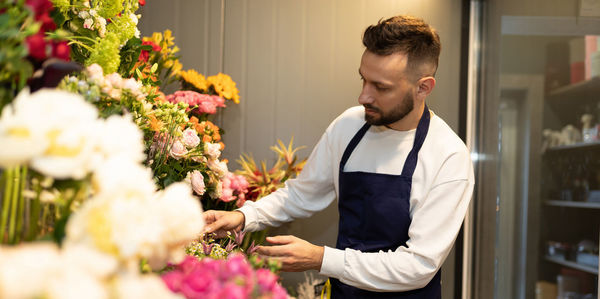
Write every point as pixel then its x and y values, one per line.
pixel 36 46
pixel 142 2
pixel 61 50
pixel 39 7
pixel 155 47
pixel 47 22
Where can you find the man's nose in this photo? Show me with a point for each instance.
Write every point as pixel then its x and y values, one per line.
pixel 365 96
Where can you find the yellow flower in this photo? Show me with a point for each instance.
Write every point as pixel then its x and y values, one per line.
pixel 194 78
pixel 176 69
pixel 224 86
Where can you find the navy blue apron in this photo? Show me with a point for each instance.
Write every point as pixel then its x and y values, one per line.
pixel 375 214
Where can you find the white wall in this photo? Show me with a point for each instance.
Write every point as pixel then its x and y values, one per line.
pixel 296 65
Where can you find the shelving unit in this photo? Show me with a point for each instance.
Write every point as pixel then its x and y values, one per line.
pixel 572 170
pixel 574 204
pixel 571 264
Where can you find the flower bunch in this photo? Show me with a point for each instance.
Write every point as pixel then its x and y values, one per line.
pixel 159 51
pixel 25 43
pixel 42 270
pixel 197 102
pixel 100 29
pixel 230 278
pixel 221 85
pixel 263 181
pixel 235 188
pixel 60 135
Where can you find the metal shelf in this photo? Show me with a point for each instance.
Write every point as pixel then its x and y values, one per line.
pixel 573 265
pixel 574 204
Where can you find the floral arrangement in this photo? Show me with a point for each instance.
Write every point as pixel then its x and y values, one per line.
pixel 223 278
pixel 110 168
pixel 29 37
pixel 263 181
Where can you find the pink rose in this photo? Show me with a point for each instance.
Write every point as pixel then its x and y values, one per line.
pixel 197 180
pixel 178 150
pixel 190 138
pixel 233 291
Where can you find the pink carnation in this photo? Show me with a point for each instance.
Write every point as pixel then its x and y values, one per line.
pixel 234 187
pixel 231 278
pixel 205 103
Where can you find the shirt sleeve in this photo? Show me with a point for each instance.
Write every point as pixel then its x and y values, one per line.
pixel 435 224
pixel 313 190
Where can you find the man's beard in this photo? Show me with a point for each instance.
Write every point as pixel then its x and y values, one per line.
pixel 397 113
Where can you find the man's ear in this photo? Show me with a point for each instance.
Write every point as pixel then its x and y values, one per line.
pixel 425 86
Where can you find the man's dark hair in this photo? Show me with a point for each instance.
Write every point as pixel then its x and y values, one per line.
pixel 407 35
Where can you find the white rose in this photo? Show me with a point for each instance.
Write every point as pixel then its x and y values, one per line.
pixel 190 138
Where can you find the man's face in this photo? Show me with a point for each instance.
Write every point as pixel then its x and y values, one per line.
pixel 387 92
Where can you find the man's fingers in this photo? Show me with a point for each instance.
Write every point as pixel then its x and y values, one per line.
pixel 280 240
pixel 271 251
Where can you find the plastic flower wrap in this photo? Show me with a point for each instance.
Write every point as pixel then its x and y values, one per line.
pixel 229 278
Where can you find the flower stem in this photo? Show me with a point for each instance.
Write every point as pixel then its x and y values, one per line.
pixel 8 174
pixel 34 216
pixel 21 205
pixel 14 205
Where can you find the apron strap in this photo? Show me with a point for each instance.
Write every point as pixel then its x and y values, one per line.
pixel 353 143
pixel 411 161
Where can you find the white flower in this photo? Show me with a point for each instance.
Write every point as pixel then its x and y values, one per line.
pixel 55 129
pixel 40 270
pixel 219 167
pixel 213 150
pixel 118 135
pixel 122 177
pixel 197 182
pixel 133 18
pixel 84 14
pixel 21 136
pixel 87 24
pixel 131 285
pixel 95 73
pixel 25 268
pixel 133 227
pixel 190 138
pixel 115 80
pixel 133 85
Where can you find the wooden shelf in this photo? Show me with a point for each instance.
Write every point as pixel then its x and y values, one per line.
pixel 573 265
pixel 577 89
pixel 574 204
pixel 580 145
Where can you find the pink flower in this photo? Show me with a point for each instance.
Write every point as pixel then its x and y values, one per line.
pixel 132 84
pixel 197 180
pixel 178 150
pixel 233 291
pixel 205 103
pixel 190 138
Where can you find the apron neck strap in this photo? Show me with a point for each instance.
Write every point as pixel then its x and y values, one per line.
pixel 411 161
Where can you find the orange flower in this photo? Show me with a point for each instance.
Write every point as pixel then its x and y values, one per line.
pixel 206 139
pixel 155 124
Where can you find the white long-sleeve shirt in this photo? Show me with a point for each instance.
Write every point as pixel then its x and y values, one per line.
pixel 441 190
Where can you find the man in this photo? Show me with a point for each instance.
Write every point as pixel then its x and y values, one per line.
pixel 402 177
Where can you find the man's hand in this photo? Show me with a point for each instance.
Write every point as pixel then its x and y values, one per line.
pixel 220 222
pixel 294 253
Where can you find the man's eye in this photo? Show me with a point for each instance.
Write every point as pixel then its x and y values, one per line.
pixel 382 88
